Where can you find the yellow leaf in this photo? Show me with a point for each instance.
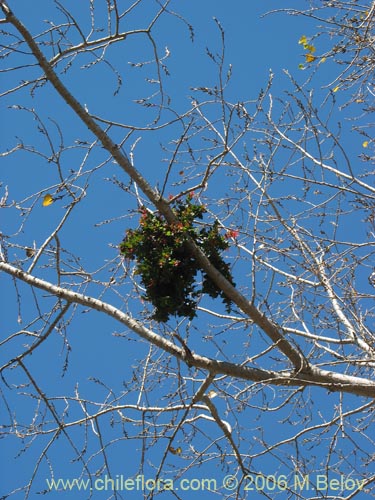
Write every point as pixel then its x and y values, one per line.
pixel 323 59
pixel 303 40
pixel 212 394
pixel 175 451
pixel 310 48
pixel 365 144
pixel 301 66
pixel 336 89
pixel 47 200
pixel 309 58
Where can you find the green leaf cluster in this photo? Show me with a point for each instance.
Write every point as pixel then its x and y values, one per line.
pixel 167 268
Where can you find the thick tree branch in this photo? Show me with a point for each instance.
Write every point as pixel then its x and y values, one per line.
pixel 314 377
pixel 272 330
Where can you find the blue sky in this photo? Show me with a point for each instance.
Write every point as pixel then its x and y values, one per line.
pixel 100 349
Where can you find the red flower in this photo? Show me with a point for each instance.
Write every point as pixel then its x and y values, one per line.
pixel 231 233
pixel 178 226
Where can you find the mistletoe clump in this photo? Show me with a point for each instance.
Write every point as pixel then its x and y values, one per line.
pixel 166 266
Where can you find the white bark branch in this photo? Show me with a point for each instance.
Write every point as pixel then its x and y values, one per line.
pixel 296 357
pixel 313 377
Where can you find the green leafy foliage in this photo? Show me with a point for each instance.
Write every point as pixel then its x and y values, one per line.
pixel 168 270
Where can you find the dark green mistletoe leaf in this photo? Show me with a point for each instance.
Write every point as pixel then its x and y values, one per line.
pixel 167 269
